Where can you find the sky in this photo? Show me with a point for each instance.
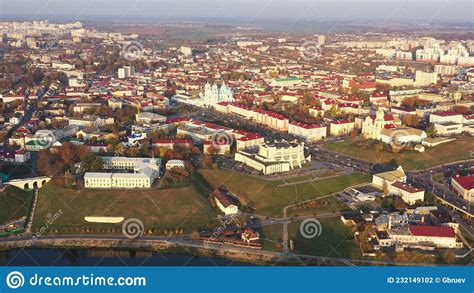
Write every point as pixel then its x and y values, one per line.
pixel 388 10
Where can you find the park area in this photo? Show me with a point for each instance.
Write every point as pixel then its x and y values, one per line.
pixel 163 211
pixel 268 198
pixel 334 240
pixel 457 150
pixel 14 204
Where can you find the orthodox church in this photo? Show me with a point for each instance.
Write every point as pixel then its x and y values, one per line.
pixel 214 94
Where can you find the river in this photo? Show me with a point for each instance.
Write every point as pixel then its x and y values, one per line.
pixel 97 257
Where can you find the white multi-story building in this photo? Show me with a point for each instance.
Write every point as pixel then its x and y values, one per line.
pixel 310 132
pixel 389 177
pixel 125 72
pixel 446 117
pixel 245 139
pixel 341 127
pixel 186 51
pixel 274 157
pixel 143 173
pixel 424 236
pixel 204 131
pixel 402 135
pixel 272 120
pixel 446 69
pixel 464 185
pixel 407 192
pixel 425 78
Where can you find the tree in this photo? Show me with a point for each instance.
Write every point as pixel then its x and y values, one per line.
pixel 353 134
pixel 385 188
pixel 449 257
pixel 213 150
pixel 133 151
pixel 45 165
pixel 461 110
pixel 378 147
pixel 68 153
pixel 195 235
pixel 206 161
pixel 120 148
pixel 411 120
pixel 91 163
pixel 333 110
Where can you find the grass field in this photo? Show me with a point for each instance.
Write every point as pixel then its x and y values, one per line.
pixel 317 206
pixel 160 210
pixel 272 237
pixel 335 240
pixel 14 203
pixel 268 198
pixel 448 152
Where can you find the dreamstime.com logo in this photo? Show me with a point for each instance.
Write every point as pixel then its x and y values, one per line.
pixel 310 228
pixel 131 51
pixel 310 50
pixel 15 280
pixel 44 140
pixel 398 139
pixel 222 138
pixel 133 228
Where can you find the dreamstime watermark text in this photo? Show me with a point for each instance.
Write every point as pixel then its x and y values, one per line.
pixel 16 280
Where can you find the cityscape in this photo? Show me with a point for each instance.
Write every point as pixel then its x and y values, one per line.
pixel 236 143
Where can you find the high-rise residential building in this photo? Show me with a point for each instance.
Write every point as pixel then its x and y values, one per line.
pixel 321 40
pixel 187 51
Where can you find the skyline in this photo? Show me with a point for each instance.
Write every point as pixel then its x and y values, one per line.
pixel 424 11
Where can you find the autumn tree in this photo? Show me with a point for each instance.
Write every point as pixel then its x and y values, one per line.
pixel 411 120
pixel 91 163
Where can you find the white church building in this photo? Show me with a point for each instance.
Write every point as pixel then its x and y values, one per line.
pixel 214 94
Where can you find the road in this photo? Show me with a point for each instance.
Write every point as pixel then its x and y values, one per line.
pixel 424 179
pixel 185 241
pixel 31 216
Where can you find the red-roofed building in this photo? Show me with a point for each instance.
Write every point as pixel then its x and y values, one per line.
pixel 351 100
pixel 421 236
pixel 341 127
pixel 241 110
pixel 217 146
pixel 272 120
pixel 350 108
pixel 225 201
pixel 446 117
pixel 407 192
pixel 328 104
pixel 464 186
pixel 170 143
pixel 246 139
pixel 369 86
pixel 432 231
pixel 310 132
pixel 378 99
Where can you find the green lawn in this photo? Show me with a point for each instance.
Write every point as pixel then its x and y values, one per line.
pixel 272 237
pixel 317 206
pixel 335 240
pixel 14 203
pixel 411 160
pixel 160 210
pixel 268 198
pixel 16 170
pixel 324 173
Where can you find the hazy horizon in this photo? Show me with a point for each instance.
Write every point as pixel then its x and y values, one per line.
pixel 429 11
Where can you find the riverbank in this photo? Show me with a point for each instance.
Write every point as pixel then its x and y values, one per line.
pixel 164 247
